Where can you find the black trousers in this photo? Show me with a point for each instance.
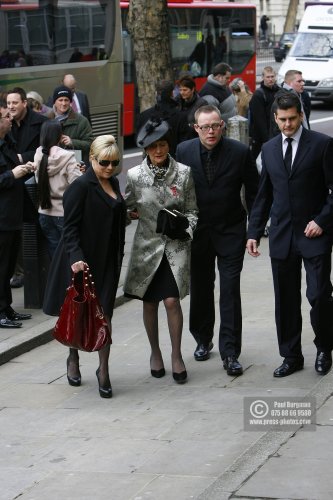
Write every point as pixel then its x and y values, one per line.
pixel 287 275
pixel 10 242
pixel 202 307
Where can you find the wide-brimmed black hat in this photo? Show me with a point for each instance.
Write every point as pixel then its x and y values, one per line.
pixel 153 130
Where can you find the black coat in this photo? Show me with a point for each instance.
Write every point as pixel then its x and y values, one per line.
pixel 93 232
pixel 293 200
pixel 15 204
pixel 260 112
pixel 220 209
pixel 27 134
pixel 84 104
pixel 187 112
pixel 217 90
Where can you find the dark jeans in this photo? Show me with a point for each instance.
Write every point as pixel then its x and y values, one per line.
pixel 52 230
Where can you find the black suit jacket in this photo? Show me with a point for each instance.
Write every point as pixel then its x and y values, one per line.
pixel 297 198
pixel 84 104
pixel 15 203
pixel 220 208
pixel 27 134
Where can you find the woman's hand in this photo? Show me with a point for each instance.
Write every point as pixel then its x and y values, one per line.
pixel 78 266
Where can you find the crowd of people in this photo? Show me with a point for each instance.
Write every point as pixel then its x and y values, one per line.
pixel 192 169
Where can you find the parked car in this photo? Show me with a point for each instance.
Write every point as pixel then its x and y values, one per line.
pixel 282 47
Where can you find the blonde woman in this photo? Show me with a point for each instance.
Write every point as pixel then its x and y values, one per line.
pixel 94 231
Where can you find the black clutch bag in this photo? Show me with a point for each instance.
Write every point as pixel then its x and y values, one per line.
pixel 173 224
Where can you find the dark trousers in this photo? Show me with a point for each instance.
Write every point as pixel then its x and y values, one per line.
pixel 9 247
pixel 202 308
pixel 287 288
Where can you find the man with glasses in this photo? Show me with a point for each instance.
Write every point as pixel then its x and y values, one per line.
pixel 220 166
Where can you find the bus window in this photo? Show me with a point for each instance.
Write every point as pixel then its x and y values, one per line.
pixel 49 33
pixel 201 38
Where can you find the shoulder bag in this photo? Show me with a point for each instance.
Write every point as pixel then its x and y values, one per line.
pixel 82 324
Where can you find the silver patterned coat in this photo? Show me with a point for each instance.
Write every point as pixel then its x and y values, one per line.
pixel 147 194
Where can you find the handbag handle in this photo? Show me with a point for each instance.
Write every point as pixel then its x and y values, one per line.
pixel 85 285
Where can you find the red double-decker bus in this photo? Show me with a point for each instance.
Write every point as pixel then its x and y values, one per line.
pixel 202 34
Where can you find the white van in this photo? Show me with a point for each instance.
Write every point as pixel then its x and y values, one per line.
pixel 312 52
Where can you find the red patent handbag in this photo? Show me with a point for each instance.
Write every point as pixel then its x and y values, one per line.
pixel 82 324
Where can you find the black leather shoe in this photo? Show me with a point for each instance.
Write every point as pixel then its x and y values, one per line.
pixel 158 373
pixel 202 351
pixel 15 316
pixel 16 282
pixel 232 365
pixel 104 392
pixel 288 367
pixel 180 378
pixel 323 362
pixel 8 323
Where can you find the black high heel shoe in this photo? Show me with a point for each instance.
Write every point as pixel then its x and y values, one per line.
pixel 104 392
pixel 158 373
pixel 74 381
pixel 180 378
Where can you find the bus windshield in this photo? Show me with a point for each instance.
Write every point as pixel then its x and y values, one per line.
pixel 39 33
pixel 318 45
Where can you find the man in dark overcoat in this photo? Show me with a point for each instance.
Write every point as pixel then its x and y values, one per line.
pixel 220 166
pixel 12 207
pixel 26 127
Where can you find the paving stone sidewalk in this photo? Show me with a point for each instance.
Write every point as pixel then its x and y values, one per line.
pixel 155 439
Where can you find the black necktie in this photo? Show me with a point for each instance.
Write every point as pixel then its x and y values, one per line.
pixel 210 167
pixel 288 157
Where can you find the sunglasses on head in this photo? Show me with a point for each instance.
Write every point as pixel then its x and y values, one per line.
pixel 106 163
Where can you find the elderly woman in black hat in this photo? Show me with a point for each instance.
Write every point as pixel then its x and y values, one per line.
pixel 159 267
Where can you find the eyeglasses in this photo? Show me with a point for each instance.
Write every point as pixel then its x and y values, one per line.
pixel 213 126
pixel 106 163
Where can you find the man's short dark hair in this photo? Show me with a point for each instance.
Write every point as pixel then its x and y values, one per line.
pixel 20 91
pixel 286 101
pixel 207 108
pixel 187 81
pixel 221 69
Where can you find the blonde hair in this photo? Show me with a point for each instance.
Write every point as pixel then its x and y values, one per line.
pixel 105 146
